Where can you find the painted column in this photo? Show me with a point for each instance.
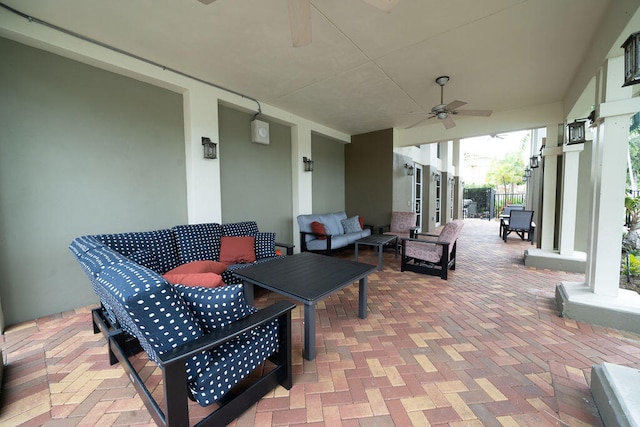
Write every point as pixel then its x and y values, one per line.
pixel 550 154
pixel 569 198
pixel 610 144
pixel 302 181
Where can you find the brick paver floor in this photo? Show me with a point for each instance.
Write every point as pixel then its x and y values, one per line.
pixel 485 347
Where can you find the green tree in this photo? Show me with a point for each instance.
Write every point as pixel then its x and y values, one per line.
pixel 506 173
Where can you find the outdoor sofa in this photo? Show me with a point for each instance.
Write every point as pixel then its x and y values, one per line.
pixel 204 336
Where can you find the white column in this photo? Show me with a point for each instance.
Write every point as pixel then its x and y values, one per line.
pixel 569 198
pixel 302 182
pixel 610 144
pixel 550 154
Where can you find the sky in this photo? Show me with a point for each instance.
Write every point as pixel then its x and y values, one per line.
pixel 494 147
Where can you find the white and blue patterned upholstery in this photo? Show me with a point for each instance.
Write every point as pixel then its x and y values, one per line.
pixel 159 244
pixel 215 308
pixel 163 316
pixel 265 245
pixel 237 229
pixel 198 242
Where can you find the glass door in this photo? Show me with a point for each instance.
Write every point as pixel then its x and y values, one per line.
pixel 438 200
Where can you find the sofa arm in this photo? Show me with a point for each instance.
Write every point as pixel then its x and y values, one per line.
pixel 287 246
pixel 303 240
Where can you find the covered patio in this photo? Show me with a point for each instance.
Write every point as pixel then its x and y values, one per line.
pixel 485 347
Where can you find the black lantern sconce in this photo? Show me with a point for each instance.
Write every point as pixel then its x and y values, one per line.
pixel 410 169
pixel 527 173
pixel 210 148
pixel 632 59
pixel 575 132
pixel 435 176
pixel 308 164
pixel 534 161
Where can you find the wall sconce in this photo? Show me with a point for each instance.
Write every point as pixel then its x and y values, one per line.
pixel 435 176
pixel 308 164
pixel 575 132
pixel 210 148
pixel 410 169
pixel 631 59
pixel 452 180
pixel 534 161
pixel 527 173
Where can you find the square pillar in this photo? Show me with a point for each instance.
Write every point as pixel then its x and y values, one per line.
pixel 569 198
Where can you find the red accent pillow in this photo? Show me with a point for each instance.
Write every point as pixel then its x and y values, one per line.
pixel 237 249
pixel 199 267
pixel 361 221
pixel 205 280
pixel 318 228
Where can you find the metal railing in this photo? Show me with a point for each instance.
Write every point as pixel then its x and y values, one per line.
pixel 502 200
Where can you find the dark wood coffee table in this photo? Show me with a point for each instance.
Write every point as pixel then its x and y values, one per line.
pixel 378 241
pixel 308 278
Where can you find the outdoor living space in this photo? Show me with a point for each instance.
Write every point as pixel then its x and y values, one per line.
pixel 485 347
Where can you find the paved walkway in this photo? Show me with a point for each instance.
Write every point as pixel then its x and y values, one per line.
pixel 485 347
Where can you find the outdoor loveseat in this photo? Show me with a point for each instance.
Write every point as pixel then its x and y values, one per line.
pixel 330 231
pixel 205 339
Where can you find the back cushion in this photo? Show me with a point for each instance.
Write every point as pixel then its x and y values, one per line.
pixel 161 319
pixel 197 242
pixel 246 228
pixel 153 249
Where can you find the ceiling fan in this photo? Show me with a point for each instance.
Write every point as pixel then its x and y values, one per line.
pixel 300 17
pixel 445 112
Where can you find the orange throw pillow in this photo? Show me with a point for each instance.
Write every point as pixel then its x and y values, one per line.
pixel 361 221
pixel 318 228
pixel 205 280
pixel 199 267
pixel 237 250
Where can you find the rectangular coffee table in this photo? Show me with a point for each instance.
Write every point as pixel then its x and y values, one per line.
pixel 308 278
pixel 378 241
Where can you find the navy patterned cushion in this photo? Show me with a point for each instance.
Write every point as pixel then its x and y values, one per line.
pixel 216 307
pixel 146 259
pixel 229 277
pixel 198 242
pixel 265 245
pixel 96 259
pixel 233 361
pixel 246 228
pixel 159 242
pixel 154 311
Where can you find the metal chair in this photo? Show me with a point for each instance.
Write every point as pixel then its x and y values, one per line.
pixel 520 222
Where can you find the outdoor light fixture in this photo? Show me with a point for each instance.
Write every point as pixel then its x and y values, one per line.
pixel 210 148
pixel 435 176
pixel 527 173
pixel 308 164
pixel 575 132
pixel 409 169
pixel 632 59
pixel 534 161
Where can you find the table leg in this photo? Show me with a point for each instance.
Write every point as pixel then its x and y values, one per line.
pixel 379 257
pixel 356 251
pixel 248 292
pixel 395 245
pixel 362 303
pixel 310 331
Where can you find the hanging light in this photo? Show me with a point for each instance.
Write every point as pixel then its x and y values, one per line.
pixel 632 59
pixel 534 161
pixel 575 132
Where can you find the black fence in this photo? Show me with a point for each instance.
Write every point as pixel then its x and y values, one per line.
pixel 487 204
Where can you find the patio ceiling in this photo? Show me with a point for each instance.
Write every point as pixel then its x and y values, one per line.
pixel 365 69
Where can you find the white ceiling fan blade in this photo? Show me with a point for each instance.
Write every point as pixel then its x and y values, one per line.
pixel 455 104
pixel 385 5
pixel 448 122
pixel 206 1
pixel 300 21
pixel 481 113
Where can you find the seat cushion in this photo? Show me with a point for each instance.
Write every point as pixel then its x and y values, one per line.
pixel 423 251
pixel 245 228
